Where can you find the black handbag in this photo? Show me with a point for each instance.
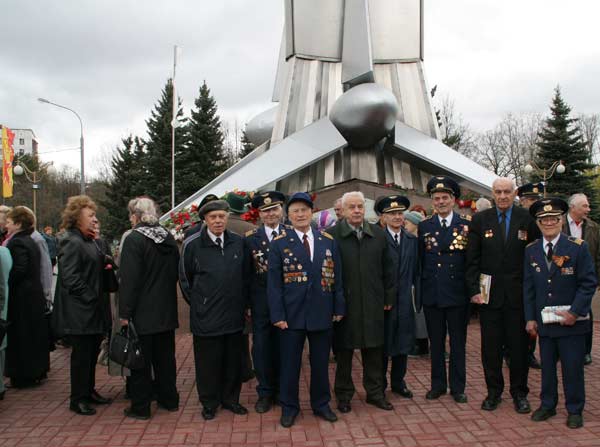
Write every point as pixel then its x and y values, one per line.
pixel 3 329
pixel 125 348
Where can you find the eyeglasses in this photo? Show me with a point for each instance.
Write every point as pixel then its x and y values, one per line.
pixel 549 220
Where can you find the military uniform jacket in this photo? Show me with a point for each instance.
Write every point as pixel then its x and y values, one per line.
pixel 305 294
pixel 590 233
pixel 571 280
pixel 442 254
pixel 488 253
pixel 257 247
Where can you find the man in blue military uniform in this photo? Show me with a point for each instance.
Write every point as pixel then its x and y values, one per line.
pixel 304 289
pixel 558 271
pixel 265 337
pixel 442 244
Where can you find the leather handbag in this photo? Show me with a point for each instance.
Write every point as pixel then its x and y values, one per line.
pixel 125 348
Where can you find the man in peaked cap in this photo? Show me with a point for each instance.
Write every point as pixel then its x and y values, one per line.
pixel 529 193
pixel 304 289
pixel 265 338
pixel 559 271
pixel 442 244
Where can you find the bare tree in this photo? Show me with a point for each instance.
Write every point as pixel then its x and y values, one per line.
pixel 455 132
pixel 590 129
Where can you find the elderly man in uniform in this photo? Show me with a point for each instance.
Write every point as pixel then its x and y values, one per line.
pixel 442 244
pixel 558 271
pixel 265 338
pixel 400 319
pixel 305 296
pixel 214 278
pixel 369 288
pixel 497 240
pixel 579 225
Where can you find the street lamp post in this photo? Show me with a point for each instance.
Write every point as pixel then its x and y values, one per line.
pixel 32 176
pixel 81 145
pixel 556 167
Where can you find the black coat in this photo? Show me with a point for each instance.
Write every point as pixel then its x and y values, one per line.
pixel 215 283
pixel 487 253
pixel 27 355
pixel 78 300
pixel 148 287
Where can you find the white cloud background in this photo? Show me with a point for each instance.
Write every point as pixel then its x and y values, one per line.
pixel 110 59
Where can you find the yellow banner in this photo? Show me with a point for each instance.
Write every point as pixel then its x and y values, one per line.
pixel 7 160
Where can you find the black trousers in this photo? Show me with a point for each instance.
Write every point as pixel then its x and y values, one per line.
pixel 504 327
pixel 372 360
pixel 84 353
pixel 397 373
pixel 159 356
pixel 218 363
pixel 265 354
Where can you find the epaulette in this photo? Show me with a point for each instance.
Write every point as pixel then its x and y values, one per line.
pixel 467 217
pixel 279 236
pixel 532 243
pixel 429 217
pixel 327 235
pixel 250 232
pixel 575 240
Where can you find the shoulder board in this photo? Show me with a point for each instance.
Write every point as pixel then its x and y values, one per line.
pixel 575 240
pixel 250 232
pixel 532 243
pixel 466 217
pixel 429 217
pixel 280 236
pixel 327 235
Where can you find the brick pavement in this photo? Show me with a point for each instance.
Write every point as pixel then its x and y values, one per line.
pixel 40 416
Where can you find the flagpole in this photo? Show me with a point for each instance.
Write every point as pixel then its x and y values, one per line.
pixel 173 125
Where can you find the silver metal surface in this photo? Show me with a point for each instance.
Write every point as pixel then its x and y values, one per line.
pixel 357 60
pixel 260 128
pixel 365 114
pixel 395 30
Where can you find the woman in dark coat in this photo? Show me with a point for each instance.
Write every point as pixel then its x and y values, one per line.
pixel 78 301
pixel 27 355
pixel 148 297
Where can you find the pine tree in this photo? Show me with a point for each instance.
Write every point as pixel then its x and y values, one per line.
pixel 204 157
pixel 247 146
pixel 157 175
pixel 560 140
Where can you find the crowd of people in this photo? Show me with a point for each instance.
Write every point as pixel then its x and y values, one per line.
pixel 397 287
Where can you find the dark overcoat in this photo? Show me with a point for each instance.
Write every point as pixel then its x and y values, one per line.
pixel 400 319
pixel 590 233
pixel 369 270
pixel 27 355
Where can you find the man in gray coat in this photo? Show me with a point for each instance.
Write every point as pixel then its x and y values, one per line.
pixel 369 268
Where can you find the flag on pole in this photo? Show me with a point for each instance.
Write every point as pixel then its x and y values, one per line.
pixel 7 160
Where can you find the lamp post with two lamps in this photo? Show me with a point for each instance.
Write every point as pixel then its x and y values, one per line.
pixel 556 168
pixel 34 177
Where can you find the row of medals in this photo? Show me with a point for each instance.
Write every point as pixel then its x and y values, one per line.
pixel 327 274
pixel 292 272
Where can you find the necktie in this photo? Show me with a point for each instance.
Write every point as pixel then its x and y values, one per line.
pixel 396 239
pixel 306 244
pixel 549 253
pixel 273 234
pixel 444 224
pixel 503 226
pixel 218 242
pixel 359 233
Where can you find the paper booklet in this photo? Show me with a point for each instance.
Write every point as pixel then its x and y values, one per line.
pixel 549 315
pixel 485 284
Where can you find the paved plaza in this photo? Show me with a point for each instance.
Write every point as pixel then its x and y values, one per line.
pixel 40 416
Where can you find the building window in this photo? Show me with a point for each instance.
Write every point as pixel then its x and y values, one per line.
pixel 21 152
pixel 22 141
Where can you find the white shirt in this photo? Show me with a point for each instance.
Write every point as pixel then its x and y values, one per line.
pixel 554 242
pixel 448 219
pixel 393 233
pixel 270 230
pixel 576 230
pixel 213 237
pixel 311 241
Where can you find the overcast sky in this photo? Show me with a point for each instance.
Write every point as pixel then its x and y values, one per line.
pixel 109 60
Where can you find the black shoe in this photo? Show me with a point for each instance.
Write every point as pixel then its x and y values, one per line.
pixel 135 415
pixel 575 421
pixel 235 408
pixel 587 360
pixel 263 404
pixel 404 392
pixel 542 414
pixel 344 406
pixel 434 394
pixel 460 398
pixel 490 403
pixel 326 414
pixel 522 405
pixel 82 408
pixel 166 407
pixel 287 420
pixel 97 399
pixel 380 403
pixel 208 413
pixel 533 362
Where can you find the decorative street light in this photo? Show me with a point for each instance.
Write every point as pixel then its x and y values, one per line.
pixel 82 182
pixel 34 177
pixel 556 167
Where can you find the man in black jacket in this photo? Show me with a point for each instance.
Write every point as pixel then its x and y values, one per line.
pixel 497 240
pixel 213 278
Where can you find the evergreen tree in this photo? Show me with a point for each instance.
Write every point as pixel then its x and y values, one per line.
pixel 156 177
pixel 560 139
pixel 204 156
pixel 247 146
